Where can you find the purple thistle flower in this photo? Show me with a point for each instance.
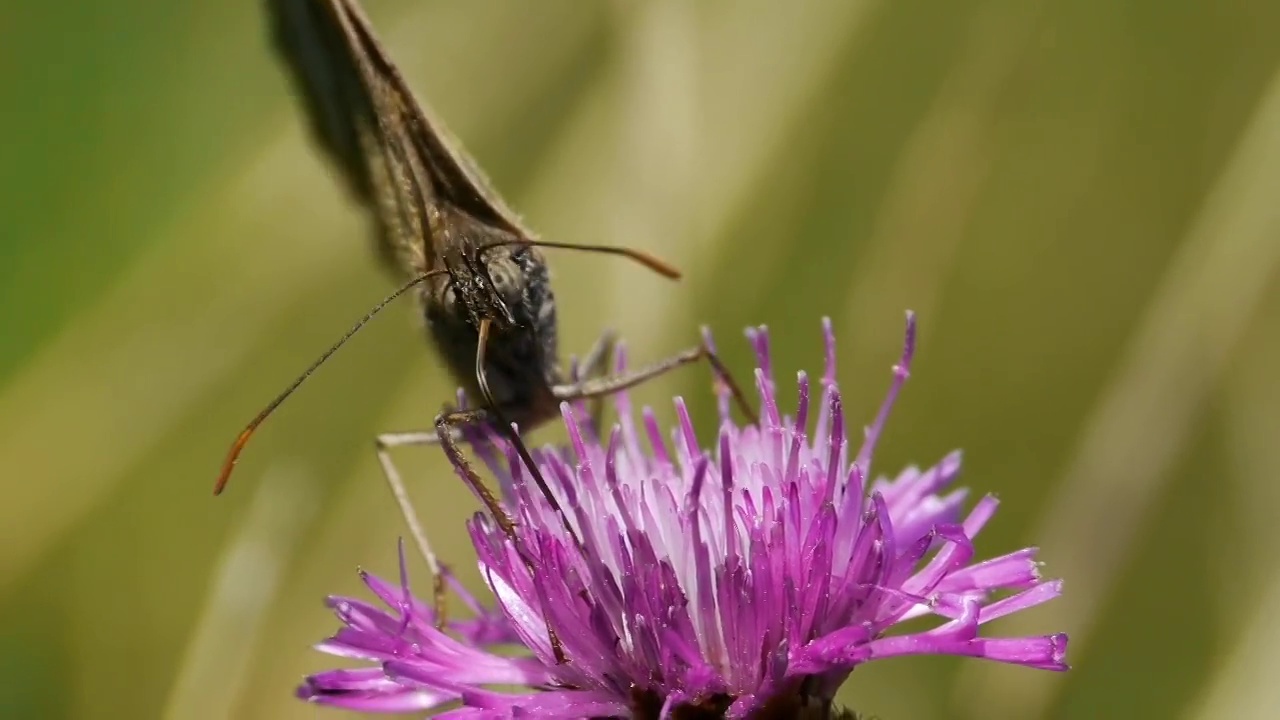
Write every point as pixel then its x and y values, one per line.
pixel 742 583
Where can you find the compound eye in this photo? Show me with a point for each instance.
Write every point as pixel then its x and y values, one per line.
pixel 449 299
pixel 505 281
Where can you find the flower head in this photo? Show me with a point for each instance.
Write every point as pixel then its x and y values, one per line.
pixel 743 582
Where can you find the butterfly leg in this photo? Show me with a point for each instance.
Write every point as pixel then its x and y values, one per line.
pixel 596 364
pixel 449 438
pixel 598 387
pixel 446 424
pixel 597 358
pixel 383 444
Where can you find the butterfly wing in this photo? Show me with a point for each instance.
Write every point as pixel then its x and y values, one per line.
pixel 401 162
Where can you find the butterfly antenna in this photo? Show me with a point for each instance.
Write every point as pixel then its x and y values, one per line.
pixel 652 262
pixel 233 455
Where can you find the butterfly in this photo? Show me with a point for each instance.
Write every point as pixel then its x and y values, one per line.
pixel 479 273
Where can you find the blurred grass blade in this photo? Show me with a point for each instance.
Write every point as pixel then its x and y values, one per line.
pixel 1245 688
pixel 743 131
pixel 1247 584
pixel 733 132
pixel 215 666
pixel 107 390
pixel 656 155
pixel 1142 421
pixel 939 181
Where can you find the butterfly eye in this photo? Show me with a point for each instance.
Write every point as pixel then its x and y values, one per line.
pixel 449 299
pixel 504 281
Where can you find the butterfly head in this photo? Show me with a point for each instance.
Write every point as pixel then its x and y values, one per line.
pixel 483 283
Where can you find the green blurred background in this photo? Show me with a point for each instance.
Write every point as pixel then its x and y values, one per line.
pixel 1079 197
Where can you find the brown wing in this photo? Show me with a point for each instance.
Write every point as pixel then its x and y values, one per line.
pixel 400 160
